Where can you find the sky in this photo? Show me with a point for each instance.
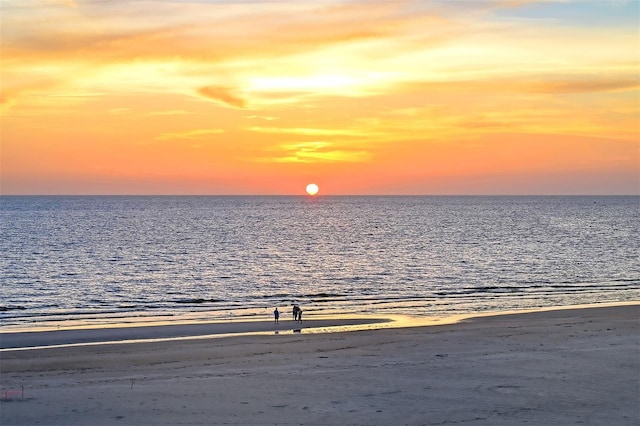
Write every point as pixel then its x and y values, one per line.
pixel 396 97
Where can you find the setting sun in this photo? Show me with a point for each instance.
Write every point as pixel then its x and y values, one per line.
pixel 312 189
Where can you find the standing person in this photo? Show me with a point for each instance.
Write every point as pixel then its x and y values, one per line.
pixel 296 309
pixel 299 315
pixel 276 315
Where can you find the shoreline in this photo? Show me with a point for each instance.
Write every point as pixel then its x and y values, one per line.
pixel 141 332
pixel 560 366
pixel 32 340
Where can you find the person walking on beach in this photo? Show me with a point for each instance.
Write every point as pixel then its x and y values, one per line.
pixel 276 315
pixel 299 315
pixel 296 309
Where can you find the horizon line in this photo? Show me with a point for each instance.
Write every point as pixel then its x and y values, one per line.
pixel 321 195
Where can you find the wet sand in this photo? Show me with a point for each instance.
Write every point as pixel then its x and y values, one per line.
pixel 129 333
pixel 574 366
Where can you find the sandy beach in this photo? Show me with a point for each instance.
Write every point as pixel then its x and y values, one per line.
pixel 561 367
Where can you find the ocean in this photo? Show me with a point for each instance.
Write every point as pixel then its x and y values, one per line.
pixel 88 259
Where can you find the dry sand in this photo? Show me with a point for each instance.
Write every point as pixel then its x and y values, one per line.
pixel 565 367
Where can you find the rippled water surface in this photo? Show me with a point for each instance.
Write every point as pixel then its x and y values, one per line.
pixel 95 257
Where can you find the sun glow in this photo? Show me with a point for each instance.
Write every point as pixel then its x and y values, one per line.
pixel 298 83
pixel 312 189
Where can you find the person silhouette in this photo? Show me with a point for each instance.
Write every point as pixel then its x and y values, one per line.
pixel 276 315
pixel 296 309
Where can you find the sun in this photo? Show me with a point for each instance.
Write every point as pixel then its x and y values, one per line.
pixel 312 189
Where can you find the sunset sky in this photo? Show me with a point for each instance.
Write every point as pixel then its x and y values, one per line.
pixel 360 97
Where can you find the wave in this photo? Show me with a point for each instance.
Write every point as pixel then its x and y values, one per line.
pixel 197 301
pixel 12 308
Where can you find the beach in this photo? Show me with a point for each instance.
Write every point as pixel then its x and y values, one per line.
pixel 556 367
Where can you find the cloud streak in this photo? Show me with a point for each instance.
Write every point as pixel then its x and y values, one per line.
pixel 314 152
pixel 224 95
pixel 548 84
pixel 189 134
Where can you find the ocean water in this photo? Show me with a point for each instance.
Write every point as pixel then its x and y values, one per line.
pixel 119 258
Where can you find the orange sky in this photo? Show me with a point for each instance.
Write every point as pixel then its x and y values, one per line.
pixel 360 97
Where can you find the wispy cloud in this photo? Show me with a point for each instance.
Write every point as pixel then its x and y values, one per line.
pixel 224 95
pixel 310 131
pixel 260 117
pixel 586 85
pixel 313 152
pixel 189 134
pixel 168 112
pixel 549 83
